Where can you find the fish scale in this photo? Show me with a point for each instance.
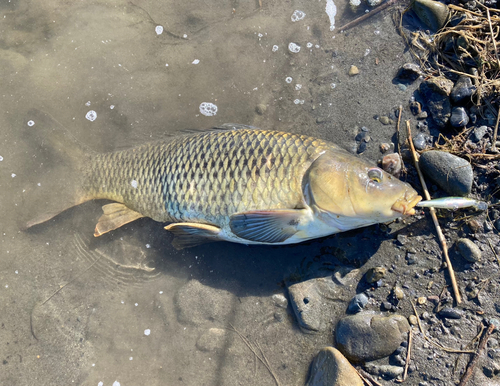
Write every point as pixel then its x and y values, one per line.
pixel 206 177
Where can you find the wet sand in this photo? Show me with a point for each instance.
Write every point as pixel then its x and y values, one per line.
pixel 76 310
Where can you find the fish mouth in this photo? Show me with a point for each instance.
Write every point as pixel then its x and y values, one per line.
pixel 406 204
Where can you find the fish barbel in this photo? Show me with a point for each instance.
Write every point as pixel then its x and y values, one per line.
pixel 243 185
pixel 453 203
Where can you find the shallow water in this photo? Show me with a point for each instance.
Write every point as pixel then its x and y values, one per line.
pixel 127 307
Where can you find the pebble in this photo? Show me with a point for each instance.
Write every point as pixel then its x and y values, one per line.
pixel 451 173
pixel 368 336
pixel 413 320
pixel 415 108
pixel 468 250
pixel 436 84
pixel 353 70
pixel 432 13
pixel 478 133
pixel 385 120
pixel 436 91
pixel 420 141
pixel 421 300
pixel 409 72
pixel 387 306
pixel 280 301
pixel 357 303
pixel 422 115
pixel 260 109
pixel 459 117
pixel 385 147
pixel 450 313
pixel 385 371
pixel 308 299
pixel 462 90
pixel 391 163
pixel 330 367
pixel 398 293
pixel 375 274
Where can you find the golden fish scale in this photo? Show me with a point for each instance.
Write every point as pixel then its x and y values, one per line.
pixel 206 177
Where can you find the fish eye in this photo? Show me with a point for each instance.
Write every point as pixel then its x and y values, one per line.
pixel 375 174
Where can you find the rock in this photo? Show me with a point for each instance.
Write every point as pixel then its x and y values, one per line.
pixel 478 133
pixel 368 336
pixel 413 320
pixel 436 85
pixel 450 313
pixel 198 304
pixel 280 301
pixel 415 108
pixel 451 173
pixel 398 293
pixel 385 371
pixel 387 306
pixel 459 117
pixel 308 299
pixel 260 109
pixel 462 90
pixel 385 120
pixel 362 147
pixel 362 136
pixel 391 163
pixel 432 13
pixel 385 147
pixel 353 70
pixel 213 339
pixel 357 303
pixel 375 274
pixel 435 92
pixel 409 72
pixel 421 141
pixel 468 250
pixel 330 368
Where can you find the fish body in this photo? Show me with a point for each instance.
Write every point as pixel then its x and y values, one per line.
pixel 244 185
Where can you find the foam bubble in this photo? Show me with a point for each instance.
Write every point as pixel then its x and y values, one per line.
pixel 275 48
pixel 147 331
pixel 331 11
pixel 293 47
pixel 208 109
pixel 134 184
pixel 298 15
pixel 298 87
pixel 31 123
pixel 196 61
pixel 1 158
pixel 288 79
pixel 91 115
pixel 159 29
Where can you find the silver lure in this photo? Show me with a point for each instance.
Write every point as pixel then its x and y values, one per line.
pixel 453 203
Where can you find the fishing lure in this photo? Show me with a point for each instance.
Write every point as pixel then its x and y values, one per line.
pixel 453 203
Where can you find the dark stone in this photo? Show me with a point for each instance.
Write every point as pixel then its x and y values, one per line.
pixel 409 72
pixel 459 117
pixel 478 133
pixel 450 313
pixel 415 108
pixel 357 303
pixel 468 250
pixel 451 173
pixel 421 141
pixel 368 336
pixel 462 91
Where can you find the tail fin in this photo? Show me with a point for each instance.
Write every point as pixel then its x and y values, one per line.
pixel 54 164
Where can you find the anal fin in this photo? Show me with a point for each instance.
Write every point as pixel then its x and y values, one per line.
pixel 115 215
pixel 191 234
pixel 267 226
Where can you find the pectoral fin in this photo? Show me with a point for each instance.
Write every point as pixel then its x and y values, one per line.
pixel 271 226
pixel 191 234
pixel 115 215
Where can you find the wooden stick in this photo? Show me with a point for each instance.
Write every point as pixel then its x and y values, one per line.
pixel 495 132
pixel 432 211
pixel 367 15
pixel 475 358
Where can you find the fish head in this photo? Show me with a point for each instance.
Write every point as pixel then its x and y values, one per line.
pixel 344 188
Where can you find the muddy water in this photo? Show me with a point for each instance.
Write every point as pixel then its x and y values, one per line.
pixel 107 75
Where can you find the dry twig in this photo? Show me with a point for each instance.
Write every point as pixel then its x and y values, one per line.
pixel 432 211
pixel 472 364
pixel 358 20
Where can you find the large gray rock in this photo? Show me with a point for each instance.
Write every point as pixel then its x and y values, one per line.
pixel 451 173
pixel 308 300
pixel 331 368
pixel 367 336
